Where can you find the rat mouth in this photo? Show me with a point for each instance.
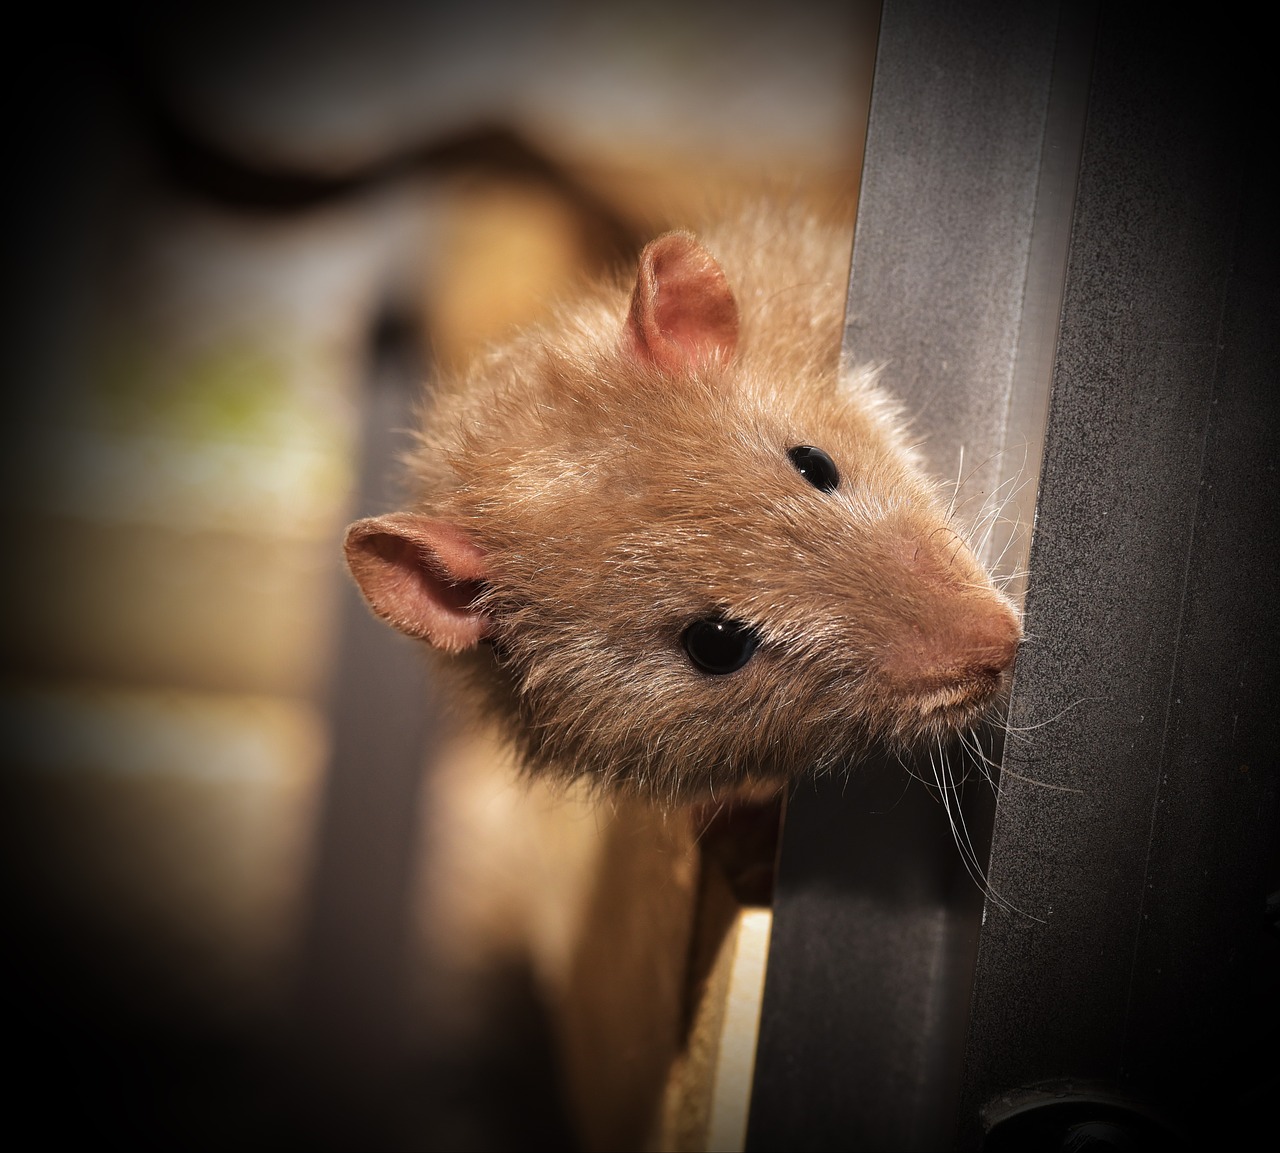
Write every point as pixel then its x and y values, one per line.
pixel 950 707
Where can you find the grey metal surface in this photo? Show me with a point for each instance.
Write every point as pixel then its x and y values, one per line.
pixel 1139 836
pixel 967 189
pixel 1129 973
pixel 948 201
pixel 352 997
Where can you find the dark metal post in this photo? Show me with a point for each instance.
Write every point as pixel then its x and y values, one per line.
pixel 1053 195
pixel 1140 982
pixel 352 995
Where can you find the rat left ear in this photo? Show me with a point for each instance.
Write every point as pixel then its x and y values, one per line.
pixel 682 308
pixel 422 576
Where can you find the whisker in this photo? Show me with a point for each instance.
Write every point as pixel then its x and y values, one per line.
pixel 955 491
pixel 1041 784
pixel 949 795
pixel 1022 730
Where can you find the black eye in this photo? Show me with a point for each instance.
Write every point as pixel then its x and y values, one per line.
pixel 719 646
pixel 815 466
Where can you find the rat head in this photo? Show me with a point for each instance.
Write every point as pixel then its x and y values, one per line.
pixel 698 561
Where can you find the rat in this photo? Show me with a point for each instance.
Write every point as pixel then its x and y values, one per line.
pixel 676 549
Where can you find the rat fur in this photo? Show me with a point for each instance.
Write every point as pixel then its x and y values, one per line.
pixel 598 483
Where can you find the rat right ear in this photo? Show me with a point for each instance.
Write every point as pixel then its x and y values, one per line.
pixel 682 308
pixel 422 576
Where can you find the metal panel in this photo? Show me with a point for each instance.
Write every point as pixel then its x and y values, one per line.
pixel 1139 827
pixel 1126 981
pixel 968 182
pixel 351 999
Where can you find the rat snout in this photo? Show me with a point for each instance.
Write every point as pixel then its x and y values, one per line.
pixel 955 642
pixel 952 629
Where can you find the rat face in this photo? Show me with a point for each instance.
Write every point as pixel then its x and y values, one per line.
pixel 720 646
pixel 693 574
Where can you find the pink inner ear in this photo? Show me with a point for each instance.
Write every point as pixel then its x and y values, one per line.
pixel 422 576
pixel 682 308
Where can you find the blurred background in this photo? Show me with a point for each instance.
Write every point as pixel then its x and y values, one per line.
pixel 259 891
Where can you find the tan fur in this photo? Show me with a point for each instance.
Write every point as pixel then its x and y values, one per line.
pixel 616 496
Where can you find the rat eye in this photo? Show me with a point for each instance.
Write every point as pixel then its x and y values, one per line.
pixel 815 466
pixel 720 646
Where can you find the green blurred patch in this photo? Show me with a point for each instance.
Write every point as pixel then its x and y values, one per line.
pixel 241 389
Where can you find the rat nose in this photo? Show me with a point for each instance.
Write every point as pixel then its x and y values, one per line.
pixel 962 640
pixel 992 636
pixel 993 654
pixel 948 627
